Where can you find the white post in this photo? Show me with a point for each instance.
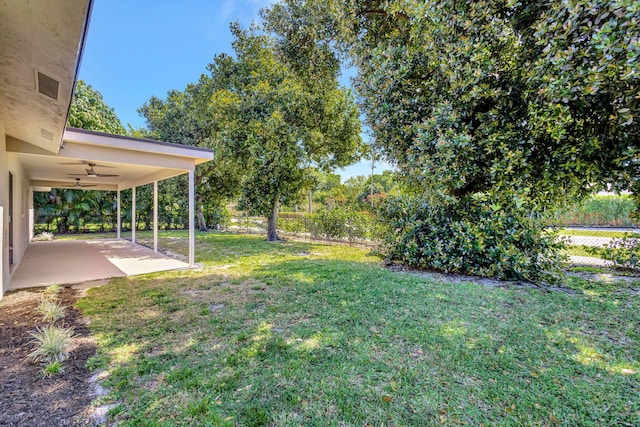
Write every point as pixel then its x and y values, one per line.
pixel 155 216
pixel 31 219
pixel 118 220
pixel 133 215
pixel 192 231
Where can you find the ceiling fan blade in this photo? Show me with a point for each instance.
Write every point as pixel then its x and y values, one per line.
pixel 87 164
pixel 105 175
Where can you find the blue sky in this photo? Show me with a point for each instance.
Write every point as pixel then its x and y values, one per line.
pixel 143 48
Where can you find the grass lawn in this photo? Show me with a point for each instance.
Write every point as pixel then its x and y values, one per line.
pixel 292 334
pixel 591 233
pixel 579 250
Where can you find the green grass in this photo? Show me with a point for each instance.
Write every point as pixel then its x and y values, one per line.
pixel 579 250
pixel 289 334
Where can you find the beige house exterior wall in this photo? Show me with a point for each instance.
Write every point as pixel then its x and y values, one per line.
pixel 21 193
pixel 22 205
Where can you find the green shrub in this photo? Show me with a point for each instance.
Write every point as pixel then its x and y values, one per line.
pixel 330 223
pixel 622 252
pixel 218 218
pixel 340 223
pixel 294 224
pixel 477 236
pixel 292 215
pixel 599 210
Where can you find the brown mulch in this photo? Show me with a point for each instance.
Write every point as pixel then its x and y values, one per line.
pixel 26 397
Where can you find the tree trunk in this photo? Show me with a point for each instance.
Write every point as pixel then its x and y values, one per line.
pixel 202 224
pixel 63 226
pixel 272 233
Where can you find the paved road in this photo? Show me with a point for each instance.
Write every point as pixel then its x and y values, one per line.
pixel 588 240
pixel 587 260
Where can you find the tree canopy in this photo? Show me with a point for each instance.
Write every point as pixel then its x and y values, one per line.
pixel 469 97
pixel 89 111
pixel 278 118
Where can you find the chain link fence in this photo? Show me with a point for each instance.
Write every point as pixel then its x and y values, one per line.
pixel 600 246
pixel 357 228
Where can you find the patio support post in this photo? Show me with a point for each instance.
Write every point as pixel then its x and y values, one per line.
pixel 155 216
pixel 133 214
pixel 118 220
pixel 192 243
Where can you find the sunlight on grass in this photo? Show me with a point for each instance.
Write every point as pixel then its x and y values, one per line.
pixel 452 329
pixel 590 356
pixel 124 353
pixel 309 344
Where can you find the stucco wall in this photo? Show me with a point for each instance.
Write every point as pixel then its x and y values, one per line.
pixel 20 209
pixel 21 205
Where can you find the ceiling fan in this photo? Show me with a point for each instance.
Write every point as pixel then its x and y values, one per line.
pixel 91 173
pixel 79 186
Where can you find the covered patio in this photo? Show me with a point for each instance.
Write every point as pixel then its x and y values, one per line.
pixel 90 160
pixel 75 261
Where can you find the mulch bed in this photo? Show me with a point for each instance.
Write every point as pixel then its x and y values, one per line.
pixel 26 397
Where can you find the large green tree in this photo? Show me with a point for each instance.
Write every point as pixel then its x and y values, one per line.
pixel 279 114
pixel 470 97
pixel 73 207
pixel 183 117
pixel 496 109
pixel 89 111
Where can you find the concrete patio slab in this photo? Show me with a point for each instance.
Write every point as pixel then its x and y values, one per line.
pixel 73 261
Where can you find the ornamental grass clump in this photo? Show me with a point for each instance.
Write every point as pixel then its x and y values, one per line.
pixel 50 309
pixel 52 289
pixel 53 343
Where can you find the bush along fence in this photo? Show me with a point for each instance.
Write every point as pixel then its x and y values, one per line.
pixel 599 210
pixel 329 225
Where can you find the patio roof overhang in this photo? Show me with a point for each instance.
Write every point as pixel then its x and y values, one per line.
pixel 135 161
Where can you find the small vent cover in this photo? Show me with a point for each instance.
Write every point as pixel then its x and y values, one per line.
pixel 47 86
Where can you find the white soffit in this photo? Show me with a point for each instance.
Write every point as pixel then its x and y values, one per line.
pixel 134 161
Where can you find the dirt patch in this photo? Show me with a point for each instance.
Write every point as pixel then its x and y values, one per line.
pixel 611 277
pixel 26 398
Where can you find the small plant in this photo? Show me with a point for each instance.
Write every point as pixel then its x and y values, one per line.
pixel 50 309
pixel 52 289
pixel 42 237
pixel 52 343
pixel 52 369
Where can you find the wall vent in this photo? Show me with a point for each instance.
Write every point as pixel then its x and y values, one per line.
pixel 46 134
pixel 47 85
